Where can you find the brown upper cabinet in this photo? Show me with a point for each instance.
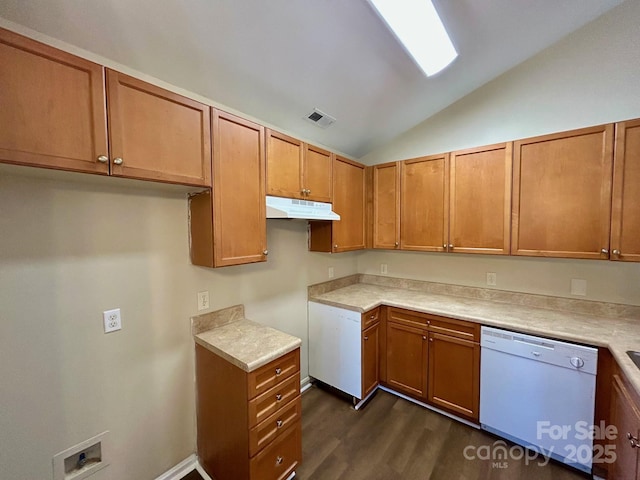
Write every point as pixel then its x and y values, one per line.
pixel 54 114
pixel 53 110
pixel 625 211
pixel 562 194
pixel 229 228
pixel 386 205
pixel 424 203
pixel 156 134
pixel 480 200
pixel 297 170
pixel 349 200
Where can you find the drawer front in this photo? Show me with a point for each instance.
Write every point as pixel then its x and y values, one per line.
pixel 270 401
pixel 370 317
pixel 408 318
pixel 455 328
pixel 280 458
pixel 273 373
pixel 264 433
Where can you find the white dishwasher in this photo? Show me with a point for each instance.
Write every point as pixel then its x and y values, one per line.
pixel 539 393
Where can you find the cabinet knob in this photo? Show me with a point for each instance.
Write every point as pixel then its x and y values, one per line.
pixel 616 252
pixel 279 423
pixel 397 244
pixel 308 192
pixel 279 460
pixel 265 252
pixel 118 161
pixel 366 338
pixel 431 339
pixel 335 246
pixel 604 251
pixel 372 316
pixel 103 159
pixel 424 337
pixel 444 246
pixel 303 191
pixel 278 371
pixel 633 441
pixel 278 397
pixel 450 245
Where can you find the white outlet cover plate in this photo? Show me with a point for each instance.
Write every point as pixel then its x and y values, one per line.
pixel 203 300
pixel 112 320
pixel 331 272
pixel 491 279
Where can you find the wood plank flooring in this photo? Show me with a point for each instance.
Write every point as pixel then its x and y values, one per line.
pixel 393 439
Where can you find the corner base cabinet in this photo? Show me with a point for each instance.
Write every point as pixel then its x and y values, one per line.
pixel 248 422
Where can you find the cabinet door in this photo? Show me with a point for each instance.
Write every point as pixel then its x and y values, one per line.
pixel 407 359
pixel 284 165
pixel 625 212
pixel 156 134
pixel 626 417
pixel 480 203
pixel 370 365
pixel 316 173
pixel 239 210
pixel 53 110
pixel 349 203
pixel 562 194
pixel 454 375
pixel 386 205
pixel 424 203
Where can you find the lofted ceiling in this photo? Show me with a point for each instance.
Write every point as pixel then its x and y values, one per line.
pixel 278 59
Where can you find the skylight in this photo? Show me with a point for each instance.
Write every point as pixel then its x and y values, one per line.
pixel 417 25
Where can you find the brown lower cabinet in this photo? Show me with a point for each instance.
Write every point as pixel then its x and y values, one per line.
pixel 625 415
pixel 433 359
pixel 248 423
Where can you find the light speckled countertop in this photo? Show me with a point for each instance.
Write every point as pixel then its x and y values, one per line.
pixel 246 344
pixel 617 333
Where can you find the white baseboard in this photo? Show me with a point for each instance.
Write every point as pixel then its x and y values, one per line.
pixel 305 384
pixel 181 469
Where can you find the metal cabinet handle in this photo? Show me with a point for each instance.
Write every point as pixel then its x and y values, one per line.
pixel 633 441
pixel 616 252
pixel 265 252
pixel 278 397
pixel 431 339
pixel 366 338
pixel 118 161
pixel 279 460
pixel 335 246
pixel 103 159
pixel 278 371
pixel 451 245
pixel 424 337
pixel 397 244
pixel 279 423
pixel 444 246
pixel 604 251
pixel 308 192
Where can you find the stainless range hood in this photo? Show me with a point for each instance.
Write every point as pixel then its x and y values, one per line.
pixel 278 207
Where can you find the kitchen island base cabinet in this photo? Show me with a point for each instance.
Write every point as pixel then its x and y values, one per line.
pixel 248 424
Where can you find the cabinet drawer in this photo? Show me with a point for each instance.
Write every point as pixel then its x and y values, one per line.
pixel 265 432
pixel 270 401
pixel 455 328
pixel 273 373
pixel 370 317
pixel 280 458
pixel 408 318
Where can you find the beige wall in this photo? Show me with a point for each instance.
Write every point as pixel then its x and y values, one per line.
pixel 68 251
pixel 590 77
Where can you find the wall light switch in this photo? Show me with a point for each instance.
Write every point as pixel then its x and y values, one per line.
pixel 203 300
pixel 383 268
pixel 331 272
pixel 578 286
pixel 491 279
pixel 112 320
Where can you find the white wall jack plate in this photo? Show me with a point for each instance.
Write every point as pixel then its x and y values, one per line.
pixel 331 272
pixel 112 320
pixel 203 300
pixel 578 287
pixel 491 279
pixel 383 268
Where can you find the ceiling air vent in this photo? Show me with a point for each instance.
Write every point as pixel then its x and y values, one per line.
pixel 320 119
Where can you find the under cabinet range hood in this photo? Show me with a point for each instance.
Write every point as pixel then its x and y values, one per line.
pixel 278 207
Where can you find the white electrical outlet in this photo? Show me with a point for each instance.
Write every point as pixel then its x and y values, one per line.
pixel 383 268
pixel 578 287
pixel 331 272
pixel 203 300
pixel 491 279
pixel 112 320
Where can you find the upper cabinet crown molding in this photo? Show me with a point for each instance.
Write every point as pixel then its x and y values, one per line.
pixel 562 194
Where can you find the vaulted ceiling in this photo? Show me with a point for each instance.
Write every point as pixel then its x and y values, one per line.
pixel 278 59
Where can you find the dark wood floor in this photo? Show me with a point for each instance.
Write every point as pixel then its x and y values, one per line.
pixel 393 439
